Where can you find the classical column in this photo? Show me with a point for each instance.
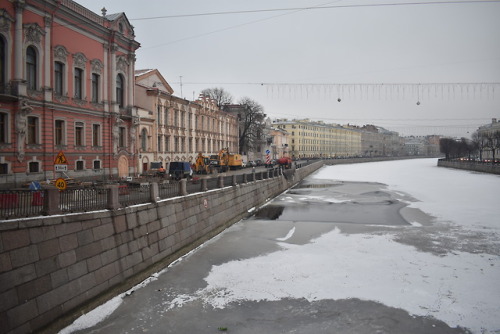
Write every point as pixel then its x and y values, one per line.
pixel 114 102
pixel 105 77
pixel 131 80
pixel 18 47
pixel 47 58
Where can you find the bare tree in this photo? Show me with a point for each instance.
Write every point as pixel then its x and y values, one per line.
pixel 252 124
pixel 447 146
pixel 467 146
pixel 480 142
pixel 219 95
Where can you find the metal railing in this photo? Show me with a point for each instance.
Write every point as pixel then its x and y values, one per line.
pixel 29 203
pixel 83 199
pixel 138 194
pixel 168 190
pixel 21 203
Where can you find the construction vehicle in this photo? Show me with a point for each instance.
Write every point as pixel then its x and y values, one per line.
pixel 202 165
pixel 226 160
pixel 285 162
pixel 180 169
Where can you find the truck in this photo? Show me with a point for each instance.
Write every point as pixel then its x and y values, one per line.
pixel 285 162
pixel 228 160
pixel 179 169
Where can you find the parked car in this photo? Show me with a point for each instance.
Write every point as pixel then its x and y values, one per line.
pixel 178 170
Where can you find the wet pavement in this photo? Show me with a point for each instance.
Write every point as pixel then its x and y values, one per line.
pixel 315 207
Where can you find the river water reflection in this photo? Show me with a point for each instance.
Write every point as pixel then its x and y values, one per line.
pixel 331 201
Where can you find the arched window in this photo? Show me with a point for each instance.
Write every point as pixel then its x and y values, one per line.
pixel 119 90
pixel 144 140
pixel 31 67
pixel 3 59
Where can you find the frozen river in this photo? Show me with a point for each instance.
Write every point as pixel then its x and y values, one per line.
pixel 386 247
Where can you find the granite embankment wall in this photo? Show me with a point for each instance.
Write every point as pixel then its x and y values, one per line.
pixel 53 268
pixel 482 167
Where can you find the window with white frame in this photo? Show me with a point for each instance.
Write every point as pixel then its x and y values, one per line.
pixel 59 132
pixel 79 165
pixel 120 89
pixel 58 78
pixel 79 134
pixel 31 67
pixel 78 83
pixel 96 135
pixel 34 167
pixel 33 130
pixel 96 79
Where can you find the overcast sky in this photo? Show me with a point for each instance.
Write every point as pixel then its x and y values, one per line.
pixel 382 58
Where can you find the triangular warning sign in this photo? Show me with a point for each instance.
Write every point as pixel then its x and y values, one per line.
pixel 60 159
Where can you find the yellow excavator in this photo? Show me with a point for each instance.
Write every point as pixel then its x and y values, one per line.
pixel 202 164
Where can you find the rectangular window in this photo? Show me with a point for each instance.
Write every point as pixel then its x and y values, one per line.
pixel 78 83
pixel 32 130
pixel 176 146
pixel 160 141
pixel 121 139
pixel 79 165
pixel 79 134
pixel 167 143
pixel 59 132
pixel 34 167
pixel 4 169
pixel 96 135
pixel 95 88
pixel 97 164
pixel 165 119
pixel 3 128
pixel 58 78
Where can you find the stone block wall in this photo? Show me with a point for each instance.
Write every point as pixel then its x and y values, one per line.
pixel 471 165
pixel 52 266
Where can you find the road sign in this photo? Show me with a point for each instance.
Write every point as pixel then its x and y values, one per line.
pixel 268 152
pixel 61 184
pixel 60 159
pixel 61 168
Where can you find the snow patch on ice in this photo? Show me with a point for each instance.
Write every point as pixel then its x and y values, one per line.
pixel 451 288
pixel 288 236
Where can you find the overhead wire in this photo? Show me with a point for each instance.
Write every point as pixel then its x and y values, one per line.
pixel 312 8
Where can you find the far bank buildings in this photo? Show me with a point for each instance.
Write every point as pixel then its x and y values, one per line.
pixel 309 139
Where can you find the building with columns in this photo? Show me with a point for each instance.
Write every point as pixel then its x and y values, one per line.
pixel 171 128
pixel 66 85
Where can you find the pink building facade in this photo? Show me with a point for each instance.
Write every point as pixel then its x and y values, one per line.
pixel 66 85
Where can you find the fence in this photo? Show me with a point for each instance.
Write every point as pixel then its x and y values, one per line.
pixel 83 199
pixel 28 203
pixel 21 203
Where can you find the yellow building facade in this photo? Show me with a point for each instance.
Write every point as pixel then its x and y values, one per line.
pixel 319 140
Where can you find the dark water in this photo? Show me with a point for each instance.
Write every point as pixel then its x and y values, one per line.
pixel 338 202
